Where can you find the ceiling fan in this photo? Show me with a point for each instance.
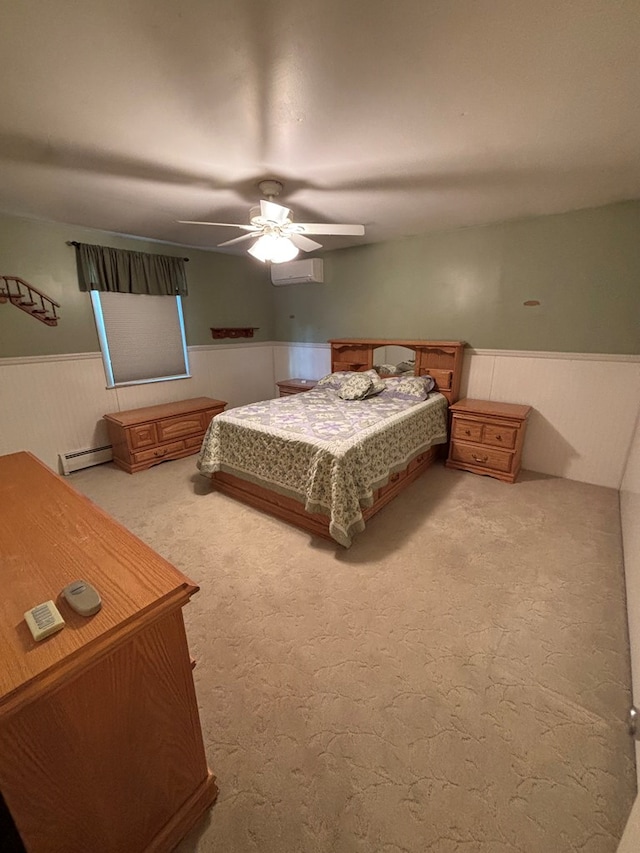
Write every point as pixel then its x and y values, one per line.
pixel 277 237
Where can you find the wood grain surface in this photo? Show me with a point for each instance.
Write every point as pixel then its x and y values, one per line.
pixel 51 535
pixel 100 740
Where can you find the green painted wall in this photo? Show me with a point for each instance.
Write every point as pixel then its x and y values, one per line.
pixel 224 290
pixel 470 284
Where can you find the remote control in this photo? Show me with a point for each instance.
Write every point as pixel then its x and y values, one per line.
pixel 44 620
pixel 82 597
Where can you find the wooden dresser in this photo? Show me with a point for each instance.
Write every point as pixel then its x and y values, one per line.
pixel 144 437
pixel 100 741
pixel 287 387
pixel 487 438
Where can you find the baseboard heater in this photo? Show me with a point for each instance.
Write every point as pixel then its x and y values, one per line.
pixel 77 459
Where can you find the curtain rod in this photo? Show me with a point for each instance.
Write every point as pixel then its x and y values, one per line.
pixel 76 244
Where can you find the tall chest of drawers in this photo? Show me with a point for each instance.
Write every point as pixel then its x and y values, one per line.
pixel 144 437
pixel 488 438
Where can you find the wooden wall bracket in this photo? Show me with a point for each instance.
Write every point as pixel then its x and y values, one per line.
pixel 233 331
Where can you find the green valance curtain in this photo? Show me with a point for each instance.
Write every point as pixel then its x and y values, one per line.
pixel 121 271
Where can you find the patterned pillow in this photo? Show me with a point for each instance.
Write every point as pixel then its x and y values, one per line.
pixel 410 387
pixel 334 380
pixel 357 387
pixel 377 384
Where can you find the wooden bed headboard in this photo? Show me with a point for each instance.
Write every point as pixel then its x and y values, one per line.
pixel 440 359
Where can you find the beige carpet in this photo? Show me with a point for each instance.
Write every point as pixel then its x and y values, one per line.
pixel 457 681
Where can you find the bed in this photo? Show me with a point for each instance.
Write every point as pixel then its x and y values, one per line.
pixel 328 464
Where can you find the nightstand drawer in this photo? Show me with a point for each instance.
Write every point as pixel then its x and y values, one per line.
pixel 499 436
pixel 466 430
pixel 481 457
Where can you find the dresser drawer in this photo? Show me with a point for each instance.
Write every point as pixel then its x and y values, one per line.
pixel 394 479
pixel 422 457
pixel 180 426
pixel 499 436
pixel 194 441
pixel 158 452
pixel 482 457
pixel 466 430
pixel 142 435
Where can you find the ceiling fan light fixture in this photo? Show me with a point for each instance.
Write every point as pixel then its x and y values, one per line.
pixel 284 250
pixel 277 237
pixel 261 249
pixel 272 248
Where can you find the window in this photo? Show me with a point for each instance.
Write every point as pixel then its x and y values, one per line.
pixel 142 337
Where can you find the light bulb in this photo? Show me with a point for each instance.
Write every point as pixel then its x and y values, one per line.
pixel 272 248
pixel 262 249
pixel 283 250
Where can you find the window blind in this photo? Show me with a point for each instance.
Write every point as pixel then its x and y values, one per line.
pixel 142 337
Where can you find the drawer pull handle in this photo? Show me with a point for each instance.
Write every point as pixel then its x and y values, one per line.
pixel 467 432
pixel 499 437
pixel 480 459
pixel 159 452
pixel 394 478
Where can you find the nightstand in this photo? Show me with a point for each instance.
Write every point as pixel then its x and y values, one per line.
pixel 295 386
pixel 487 438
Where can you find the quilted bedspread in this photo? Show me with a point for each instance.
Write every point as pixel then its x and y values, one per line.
pixel 328 453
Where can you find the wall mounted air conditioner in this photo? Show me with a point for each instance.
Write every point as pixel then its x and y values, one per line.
pixel 297 272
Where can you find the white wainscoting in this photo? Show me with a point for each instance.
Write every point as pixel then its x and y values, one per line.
pixel 300 361
pixel 630 516
pixel 585 406
pixel 54 404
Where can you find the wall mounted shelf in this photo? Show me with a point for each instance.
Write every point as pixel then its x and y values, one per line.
pixel 28 298
pixel 233 331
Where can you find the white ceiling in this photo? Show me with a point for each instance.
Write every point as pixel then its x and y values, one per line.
pixel 404 115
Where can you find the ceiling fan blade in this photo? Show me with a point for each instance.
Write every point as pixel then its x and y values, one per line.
pixel 321 228
pixel 304 243
pixel 275 212
pixel 223 224
pixel 237 240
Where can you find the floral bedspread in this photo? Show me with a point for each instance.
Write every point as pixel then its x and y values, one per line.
pixel 328 453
